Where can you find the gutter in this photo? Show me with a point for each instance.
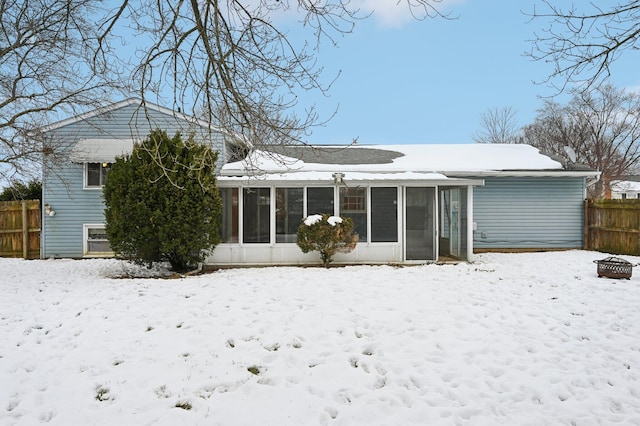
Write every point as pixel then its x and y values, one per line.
pixel 527 173
pixel 593 180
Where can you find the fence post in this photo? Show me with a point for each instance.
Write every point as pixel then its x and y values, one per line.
pixel 25 230
pixel 585 226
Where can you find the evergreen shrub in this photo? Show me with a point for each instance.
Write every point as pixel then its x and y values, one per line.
pixel 162 203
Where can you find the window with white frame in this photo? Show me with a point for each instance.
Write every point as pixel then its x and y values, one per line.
pixel 95 241
pixel 320 200
pixel 353 204
pixel 384 214
pixel 256 223
pixel 289 203
pixel 229 225
pixel 374 211
pixel 96 174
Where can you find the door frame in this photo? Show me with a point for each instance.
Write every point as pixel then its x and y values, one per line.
pixel 434 223
pixel 450 235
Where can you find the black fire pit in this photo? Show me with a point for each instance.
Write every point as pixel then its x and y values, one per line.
pixel 614 267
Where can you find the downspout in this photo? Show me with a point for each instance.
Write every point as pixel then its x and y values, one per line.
pixel 470 257
pixel 42 214
pixel 591 182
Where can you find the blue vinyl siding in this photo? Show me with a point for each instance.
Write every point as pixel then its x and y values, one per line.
pixel 74 206
pixel 529 212
pixel 62 234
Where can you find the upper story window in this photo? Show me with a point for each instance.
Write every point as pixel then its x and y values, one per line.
pixel 96 174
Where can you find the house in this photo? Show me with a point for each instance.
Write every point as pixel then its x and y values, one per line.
pixel 626 189
pixel 409 203
pixel 73 213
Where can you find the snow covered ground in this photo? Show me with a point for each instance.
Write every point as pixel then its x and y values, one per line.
pixel 512 339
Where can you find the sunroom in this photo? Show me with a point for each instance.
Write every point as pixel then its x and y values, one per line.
pixel 400 217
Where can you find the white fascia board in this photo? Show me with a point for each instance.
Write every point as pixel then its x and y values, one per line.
pixel 327 180
pixel 527 173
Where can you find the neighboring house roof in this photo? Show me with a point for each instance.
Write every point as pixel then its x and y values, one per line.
pixel 626 185
pixel 458 160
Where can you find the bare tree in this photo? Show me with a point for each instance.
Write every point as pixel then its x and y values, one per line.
pixel 47 67
pixel 234 62
pixel 583 43
pixel 498 125
pixel 602 127
pixel 231 62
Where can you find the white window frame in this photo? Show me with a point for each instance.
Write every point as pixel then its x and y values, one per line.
pixel 85 241
pixel 85 175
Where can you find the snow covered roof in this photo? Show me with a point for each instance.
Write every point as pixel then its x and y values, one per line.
pixel 448 160
pixel 625 186
pixel 100 150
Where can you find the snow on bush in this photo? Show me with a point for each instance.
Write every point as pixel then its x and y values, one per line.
pixel 313 219
pixel 334 220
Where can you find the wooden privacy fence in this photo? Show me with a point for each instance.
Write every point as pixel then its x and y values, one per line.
pixel 612 226
pixel 20 229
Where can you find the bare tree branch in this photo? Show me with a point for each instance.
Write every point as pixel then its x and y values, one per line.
pixel 235 64
pixel 583 44
pixel 45 47
pixel 240 65
pixel 601 126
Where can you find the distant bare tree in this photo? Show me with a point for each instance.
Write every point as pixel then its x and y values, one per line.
pixel 583 43
pixel 47 67
pixel 602 127
pixel 498 125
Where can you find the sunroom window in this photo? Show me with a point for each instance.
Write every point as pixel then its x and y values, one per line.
pixel 256 227
pixel 320 201
pixel 229 225
pixel 384 214
pixel 289 202
pixel 353 204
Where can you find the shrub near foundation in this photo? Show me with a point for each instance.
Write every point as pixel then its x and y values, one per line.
pixel 162 203
pixel 327 235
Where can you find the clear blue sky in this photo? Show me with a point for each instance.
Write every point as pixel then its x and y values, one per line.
pixel 428 81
